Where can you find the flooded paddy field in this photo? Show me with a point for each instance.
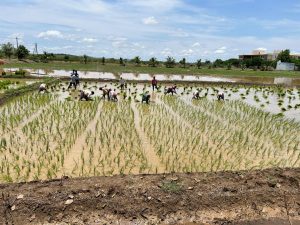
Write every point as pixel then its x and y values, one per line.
pixel 49 135
pixel 163 77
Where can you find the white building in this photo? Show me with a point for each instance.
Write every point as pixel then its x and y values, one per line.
pixel 285 66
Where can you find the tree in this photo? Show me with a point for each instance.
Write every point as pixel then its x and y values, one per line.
pixel 284 56
pixel 153 62
pixel 121 61
pixel 229 66
pixel 137 61
pixel 22 52
pixel 67 57
pixel 183 62
pixel 199 63
pixel 218 63
pixel 8 50
pixel 44 57
pixel 170 62
pixel 103 60
pixel 85 59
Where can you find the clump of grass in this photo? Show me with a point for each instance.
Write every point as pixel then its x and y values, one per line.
pixel 171 186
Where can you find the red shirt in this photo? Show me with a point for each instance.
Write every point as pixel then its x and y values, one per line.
pixel 154 81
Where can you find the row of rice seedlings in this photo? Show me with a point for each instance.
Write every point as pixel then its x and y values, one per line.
pixel 180 148
pixel 248 130
pixel 40 152
pixel 112 146
pixel 21 108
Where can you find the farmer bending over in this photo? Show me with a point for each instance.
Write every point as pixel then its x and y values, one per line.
pixel 221 96
pixel 113 95
pixel 196 95
pixel 146 97
pixel 171 90
pixel 105 92
pixel 87 95
pixel 43 87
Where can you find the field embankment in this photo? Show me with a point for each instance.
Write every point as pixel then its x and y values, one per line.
pixel 270 196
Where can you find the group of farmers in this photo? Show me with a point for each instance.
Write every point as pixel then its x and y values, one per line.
pixel 112 95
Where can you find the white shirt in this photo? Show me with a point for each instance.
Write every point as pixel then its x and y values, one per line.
pixel 43 85
pixel 87 93
pixel 220 93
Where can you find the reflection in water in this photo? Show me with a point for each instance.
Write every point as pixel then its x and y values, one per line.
pixel 162 77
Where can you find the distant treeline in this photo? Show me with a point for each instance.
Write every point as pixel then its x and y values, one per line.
pixel 21 53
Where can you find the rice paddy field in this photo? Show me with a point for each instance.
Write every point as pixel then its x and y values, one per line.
pixel 50 135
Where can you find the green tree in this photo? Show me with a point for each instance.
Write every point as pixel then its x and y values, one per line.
pixel 66 57
pixel 44 57
pixel 183 62
pixel 22 52
pixel 8 50
pixel 218 63
pixel 229 66
pixel 284 56
pixel 103 60
pixel 170 62
pixel 199 63
pixel 137 61
pixel 153 62
pixel 121 61
pixel 85 59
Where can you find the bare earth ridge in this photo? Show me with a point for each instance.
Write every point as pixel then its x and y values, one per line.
pixel 265 197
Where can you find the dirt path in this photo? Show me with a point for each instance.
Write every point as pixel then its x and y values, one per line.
pixel 225 198
pixel 149 151
pixel 75 152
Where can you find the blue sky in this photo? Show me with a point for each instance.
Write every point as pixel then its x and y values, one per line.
pixel 206 29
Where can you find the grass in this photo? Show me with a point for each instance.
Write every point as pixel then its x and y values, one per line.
pixel 129 68
pixel 171 186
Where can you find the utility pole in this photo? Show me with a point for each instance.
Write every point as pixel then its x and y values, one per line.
pixel 35 51
pixel 17 40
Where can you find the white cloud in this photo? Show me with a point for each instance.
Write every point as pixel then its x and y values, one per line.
pixel 261 49
pixel 196 44
pixel 187 52
pixel 50 34
pixel 90 40
pixel 150 21
pixel 221 50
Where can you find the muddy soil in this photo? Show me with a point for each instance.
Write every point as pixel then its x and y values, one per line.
pixel 259 197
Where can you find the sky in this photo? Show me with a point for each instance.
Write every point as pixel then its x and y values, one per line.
pixel 194 29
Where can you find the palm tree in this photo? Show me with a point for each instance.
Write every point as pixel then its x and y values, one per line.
pixel 153 62
pixel 85 59
pixel 121 61
pixel 170 62
pixel 137 61
pixel 183 62
pixel 103 60
pixel 199 63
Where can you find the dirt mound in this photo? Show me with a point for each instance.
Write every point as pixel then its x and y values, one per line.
pixel 257 197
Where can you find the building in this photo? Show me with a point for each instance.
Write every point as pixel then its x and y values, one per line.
pixel 265 56
pixel 285 66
